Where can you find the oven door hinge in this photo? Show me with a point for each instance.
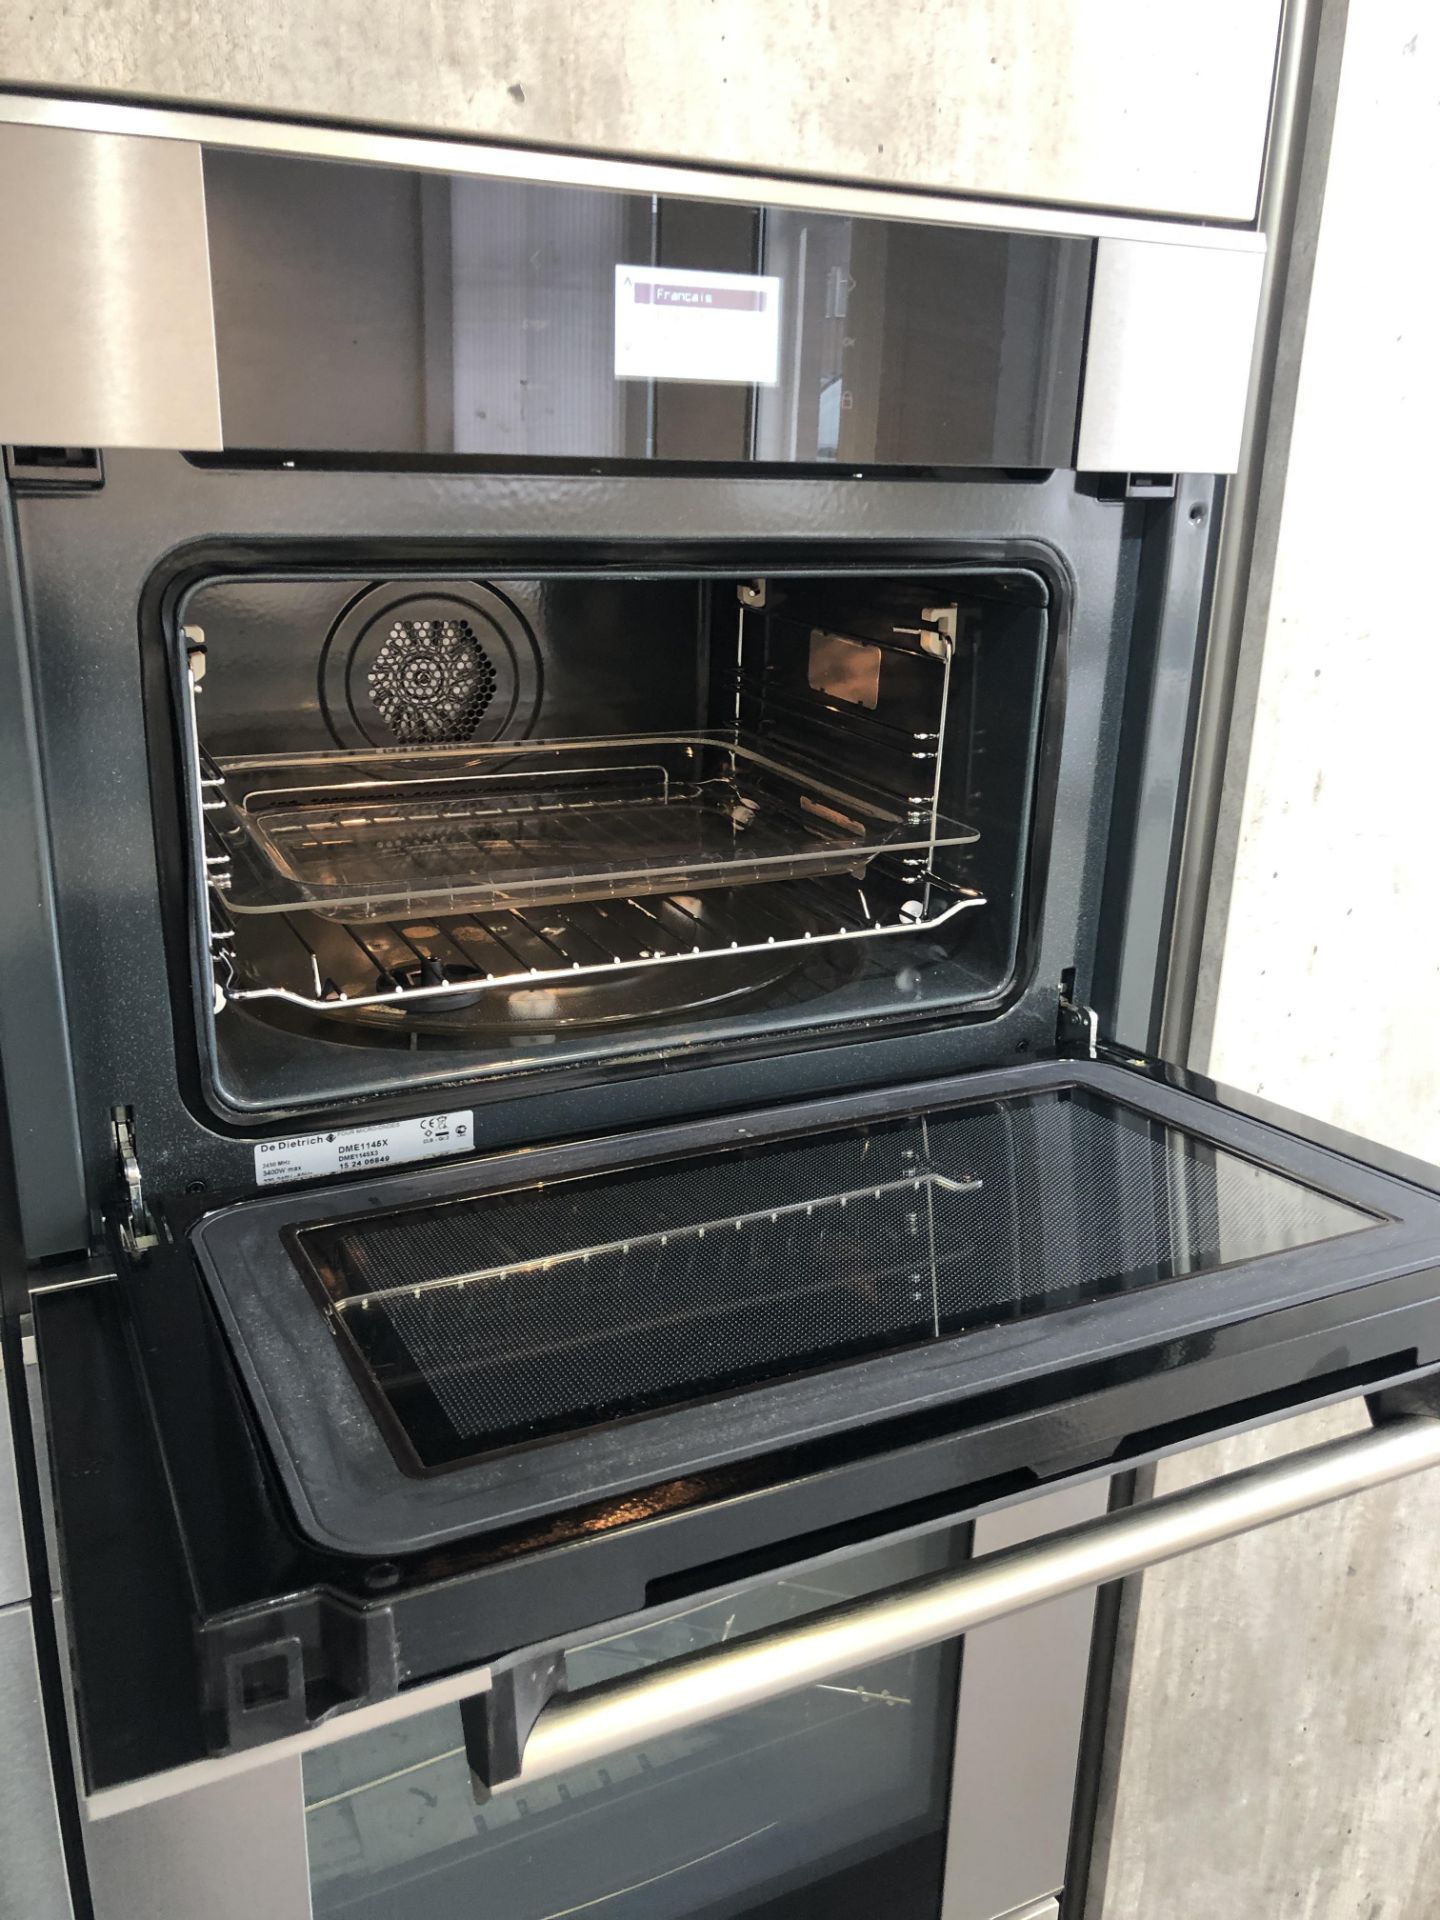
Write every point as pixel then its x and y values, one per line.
pixel 1077 1028
pixel 137 1229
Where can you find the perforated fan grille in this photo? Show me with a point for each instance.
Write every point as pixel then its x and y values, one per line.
pixel 498 1319
pixel 431 681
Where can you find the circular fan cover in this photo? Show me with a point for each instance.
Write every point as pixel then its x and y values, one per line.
pixel 431 680
pixel 427 664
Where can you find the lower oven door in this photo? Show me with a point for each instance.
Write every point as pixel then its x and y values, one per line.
pixel 411 1440
pixel 811 1744
pixel 829 1799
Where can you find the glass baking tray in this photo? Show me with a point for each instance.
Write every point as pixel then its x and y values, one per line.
pixel 545 823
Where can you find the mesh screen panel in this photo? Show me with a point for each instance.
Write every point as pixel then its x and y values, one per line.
pixel 485 1322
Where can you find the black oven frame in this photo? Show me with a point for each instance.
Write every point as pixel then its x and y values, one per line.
pixel 142 1364
pixel 1128 568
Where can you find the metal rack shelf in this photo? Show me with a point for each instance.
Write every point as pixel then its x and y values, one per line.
pixel 312 961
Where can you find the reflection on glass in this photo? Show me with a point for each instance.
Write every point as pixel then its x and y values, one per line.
pixel 483 1322
pixel 827 1801
pixel 375 310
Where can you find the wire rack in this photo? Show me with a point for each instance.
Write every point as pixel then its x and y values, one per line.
pixel 428 878
pixel 312 961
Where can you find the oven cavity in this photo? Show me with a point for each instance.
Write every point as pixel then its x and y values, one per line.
pixel 466 812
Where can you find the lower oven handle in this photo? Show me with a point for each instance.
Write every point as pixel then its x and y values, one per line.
pixel 571 1730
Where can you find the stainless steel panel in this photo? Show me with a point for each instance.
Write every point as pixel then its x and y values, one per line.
pixel 107 334
pixel 230 1851
pixel 1297 168
pixel 617 175
pixel 1167 367
pixel 180 1783
pixel 1046 1909
pixel 34 1030
pixel 14 1573
pixel 1017 1733
pixel 33 1880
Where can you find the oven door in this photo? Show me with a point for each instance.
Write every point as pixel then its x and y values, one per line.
pixel 747 1351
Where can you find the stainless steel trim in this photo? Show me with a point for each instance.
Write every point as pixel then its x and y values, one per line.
pixel 93 1273
pixel 1046 1909
pixel 34 1884
pixel 559 167
pixel 1172 334
pixel 1017 1731
pixel 107 337
pixel 14 1569
pixel 573 1731
pixel 230 1851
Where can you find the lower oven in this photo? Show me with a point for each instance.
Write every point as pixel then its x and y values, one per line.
pixel 834 1797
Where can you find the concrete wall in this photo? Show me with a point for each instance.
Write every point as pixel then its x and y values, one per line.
pixel 1278 1756
pixel 1114 102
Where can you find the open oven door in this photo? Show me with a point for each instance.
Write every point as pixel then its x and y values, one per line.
pixel 328 1455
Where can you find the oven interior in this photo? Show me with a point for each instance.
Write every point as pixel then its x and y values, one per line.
pixel 510 821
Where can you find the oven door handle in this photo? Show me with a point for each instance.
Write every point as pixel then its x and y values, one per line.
pixel 524 1731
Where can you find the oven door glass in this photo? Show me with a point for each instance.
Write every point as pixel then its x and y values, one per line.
pixel 827 1801
pixel 493 1342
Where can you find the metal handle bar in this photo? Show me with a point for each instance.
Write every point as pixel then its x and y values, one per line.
pixel 573 1729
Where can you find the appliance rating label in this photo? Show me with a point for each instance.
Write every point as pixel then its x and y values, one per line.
pixel 363 1149
pixel 674 324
